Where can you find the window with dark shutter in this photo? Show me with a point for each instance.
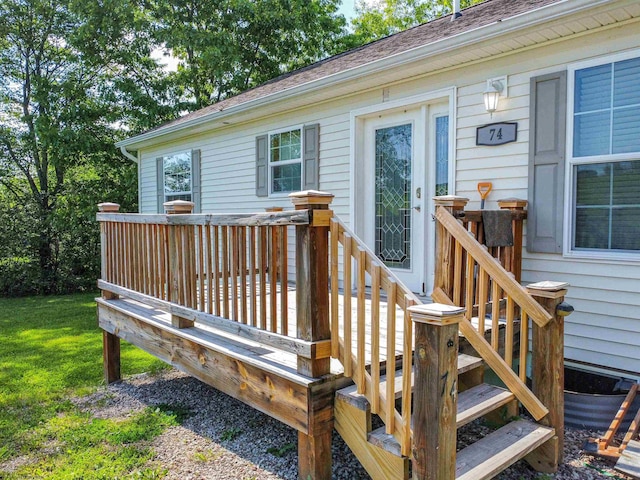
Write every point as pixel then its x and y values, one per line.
pixel 547 132
pixel 178 178
pixel 287 161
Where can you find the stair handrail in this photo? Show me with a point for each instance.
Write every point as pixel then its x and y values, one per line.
pixel 516 296
pixel 382 400
pixel 508 284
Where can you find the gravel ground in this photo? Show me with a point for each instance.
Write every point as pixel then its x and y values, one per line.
pixel 223 438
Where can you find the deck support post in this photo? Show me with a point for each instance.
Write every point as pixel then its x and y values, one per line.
pixel 110 342
pixel 548 371
pixel 312 311
pixel 444 264
pixel 176 251
pixel 436 390
pixel 111 357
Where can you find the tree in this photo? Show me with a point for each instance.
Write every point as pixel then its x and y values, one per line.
pixel 386 17
pixel 66 84
pixel 228 46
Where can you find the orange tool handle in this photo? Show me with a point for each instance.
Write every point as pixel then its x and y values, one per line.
pixel 484 188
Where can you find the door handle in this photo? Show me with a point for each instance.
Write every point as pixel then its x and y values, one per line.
pixel 417 208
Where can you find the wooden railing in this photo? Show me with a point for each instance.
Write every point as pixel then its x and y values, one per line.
pixel 468 275
pixel 229 271
pixel 232 272
pixel 381 310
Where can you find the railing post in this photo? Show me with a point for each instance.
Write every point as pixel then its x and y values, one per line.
pixel 445 262
pixel 515 205
pixel 547 374
pixel 110 342
pixel 312 312
pixel 436 390
pixel 177 251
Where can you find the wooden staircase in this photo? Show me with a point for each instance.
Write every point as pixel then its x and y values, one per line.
pixel 438 389
pixel 380 452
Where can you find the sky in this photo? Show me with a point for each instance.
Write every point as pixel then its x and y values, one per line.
pixel 347 8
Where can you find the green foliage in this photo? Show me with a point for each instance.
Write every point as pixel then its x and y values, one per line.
pixel 71 72
pixel 375 21
pixel 283 450
pixel 92 448
pixel 230 434
pixel 228 46
pixel 77 76
pixel 50 348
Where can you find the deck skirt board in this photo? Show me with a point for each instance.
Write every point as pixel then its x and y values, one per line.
pixel 495 452
pixel 248 351
pixel 251 373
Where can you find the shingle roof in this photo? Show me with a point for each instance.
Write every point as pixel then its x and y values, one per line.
pixel 480 15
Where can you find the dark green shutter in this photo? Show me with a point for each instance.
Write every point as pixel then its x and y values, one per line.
pixel 310 167
pixel 262 188
pixel 196 188
pixel 547 144
pixel 160 183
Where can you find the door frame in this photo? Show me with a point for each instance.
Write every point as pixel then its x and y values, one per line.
pixel 356 186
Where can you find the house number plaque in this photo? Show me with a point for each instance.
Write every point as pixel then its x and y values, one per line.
pixel 497 134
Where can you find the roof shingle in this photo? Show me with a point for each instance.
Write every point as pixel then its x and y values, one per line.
pixel 477 16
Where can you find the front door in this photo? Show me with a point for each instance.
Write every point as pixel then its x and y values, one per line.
pixel 395 230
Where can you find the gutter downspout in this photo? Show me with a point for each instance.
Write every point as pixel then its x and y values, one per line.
pixel 128 154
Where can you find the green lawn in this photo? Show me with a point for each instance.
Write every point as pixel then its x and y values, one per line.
pixel 51 350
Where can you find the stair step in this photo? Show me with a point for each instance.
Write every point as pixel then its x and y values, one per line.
pixel 349 394
pixel 480 400
pixel 495 452
pixel 472 404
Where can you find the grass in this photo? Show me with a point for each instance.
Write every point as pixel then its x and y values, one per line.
pixel 50 350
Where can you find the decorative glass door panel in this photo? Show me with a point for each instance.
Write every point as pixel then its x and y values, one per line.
pixel 393 226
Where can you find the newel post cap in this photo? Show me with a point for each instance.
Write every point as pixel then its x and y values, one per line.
pixel 307 198
pixel 548 289
pixel 512 203
pixel 436 314
pixel 177 207
pixel 451 201
pixel 108 207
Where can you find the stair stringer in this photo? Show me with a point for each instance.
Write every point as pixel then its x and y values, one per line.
pixel 353 423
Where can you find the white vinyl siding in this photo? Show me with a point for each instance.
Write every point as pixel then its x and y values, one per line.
pixel 605 326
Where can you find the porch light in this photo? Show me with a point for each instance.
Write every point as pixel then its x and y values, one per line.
pixel 492 94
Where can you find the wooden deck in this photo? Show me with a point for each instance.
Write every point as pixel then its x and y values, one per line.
pixel 263 353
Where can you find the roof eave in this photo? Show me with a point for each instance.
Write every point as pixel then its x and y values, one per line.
pixel 528 19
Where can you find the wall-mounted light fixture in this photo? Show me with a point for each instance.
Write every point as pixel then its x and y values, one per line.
pixel 495 89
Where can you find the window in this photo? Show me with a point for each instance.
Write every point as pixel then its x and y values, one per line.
pixel 285 161
pixel 442 155
pixel 604 158
pixel 177 177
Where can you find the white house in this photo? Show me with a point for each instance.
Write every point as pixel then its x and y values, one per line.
pixel 387 126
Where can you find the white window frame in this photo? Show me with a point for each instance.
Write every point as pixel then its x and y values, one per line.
pixel 281 163
pixel 569 193
pixel 164 177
